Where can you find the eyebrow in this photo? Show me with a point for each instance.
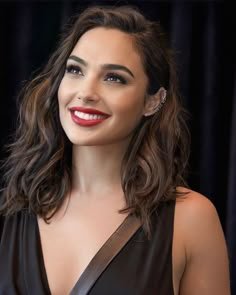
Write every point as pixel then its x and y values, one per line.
pixel 105 66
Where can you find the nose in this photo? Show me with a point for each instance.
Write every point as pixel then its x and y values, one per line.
pixel 88 90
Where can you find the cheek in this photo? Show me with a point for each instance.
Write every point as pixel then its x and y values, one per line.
pixel 131 106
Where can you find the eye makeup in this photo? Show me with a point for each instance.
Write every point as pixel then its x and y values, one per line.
pixel 106 67
pixel 111 77
pixel 115 78
pixel 73 69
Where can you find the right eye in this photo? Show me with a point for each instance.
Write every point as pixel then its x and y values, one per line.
pixel 74 70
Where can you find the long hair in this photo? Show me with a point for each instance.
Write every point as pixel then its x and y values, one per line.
pixel 38 169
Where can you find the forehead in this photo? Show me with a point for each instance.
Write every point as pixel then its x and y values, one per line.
pixel 108 46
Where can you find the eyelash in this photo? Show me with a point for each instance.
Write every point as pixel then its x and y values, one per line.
pixel 117 77
pixel 70 69
pixel 75 70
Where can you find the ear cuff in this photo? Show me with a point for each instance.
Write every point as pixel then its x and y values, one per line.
pixel 163 99
pixel 158 108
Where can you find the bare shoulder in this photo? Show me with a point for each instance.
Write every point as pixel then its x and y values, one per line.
pixel 198 219
pixel 193 207
pixel 192 198
pixel 197 223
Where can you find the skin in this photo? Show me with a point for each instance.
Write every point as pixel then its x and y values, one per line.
pixel 81 226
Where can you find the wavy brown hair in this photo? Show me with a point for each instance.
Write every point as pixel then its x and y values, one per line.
pixel 37 173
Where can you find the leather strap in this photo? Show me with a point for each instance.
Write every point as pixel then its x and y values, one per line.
pixel 106 254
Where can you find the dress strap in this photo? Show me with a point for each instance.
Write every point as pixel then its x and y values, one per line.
pixel 106 254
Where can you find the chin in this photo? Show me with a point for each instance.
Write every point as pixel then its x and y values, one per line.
pixel 84 141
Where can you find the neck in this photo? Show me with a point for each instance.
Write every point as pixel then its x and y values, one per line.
pixel 96 169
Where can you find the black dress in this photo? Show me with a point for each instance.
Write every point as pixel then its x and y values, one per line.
pixel 141 266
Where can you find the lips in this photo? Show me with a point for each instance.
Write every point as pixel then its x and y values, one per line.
pixel 87 116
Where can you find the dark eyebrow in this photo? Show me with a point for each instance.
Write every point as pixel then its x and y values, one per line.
pixel 117 67
pixel 78 59
pixel 105 66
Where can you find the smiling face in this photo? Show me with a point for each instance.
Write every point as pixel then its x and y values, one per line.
pixel 101 96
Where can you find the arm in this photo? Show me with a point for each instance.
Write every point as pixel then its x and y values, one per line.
pixel 207 268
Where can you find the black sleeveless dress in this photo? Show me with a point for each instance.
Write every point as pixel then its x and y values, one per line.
pixel 141 266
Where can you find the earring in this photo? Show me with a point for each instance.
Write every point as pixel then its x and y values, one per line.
pixel 160 105
pixel 163 98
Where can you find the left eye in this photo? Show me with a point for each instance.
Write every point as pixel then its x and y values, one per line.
pixel 114 78
pixel 74 70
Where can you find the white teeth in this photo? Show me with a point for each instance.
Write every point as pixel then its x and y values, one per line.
pixel 85 116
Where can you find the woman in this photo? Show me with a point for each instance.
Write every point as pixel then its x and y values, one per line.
pixel 95 200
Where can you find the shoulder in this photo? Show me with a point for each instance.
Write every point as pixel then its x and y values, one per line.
pixel 197 217
pixel 192 198
pixel 194 208
pixel 198 228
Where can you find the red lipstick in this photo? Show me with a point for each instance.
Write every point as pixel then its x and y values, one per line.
pixel 87 122
pixel 88 111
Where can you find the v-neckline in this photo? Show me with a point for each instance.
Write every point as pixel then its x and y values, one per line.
pixel 114 244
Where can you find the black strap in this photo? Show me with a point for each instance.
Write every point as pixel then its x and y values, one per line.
pixel 105 255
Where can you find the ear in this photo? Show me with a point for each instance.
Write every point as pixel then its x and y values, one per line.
pixel 154 102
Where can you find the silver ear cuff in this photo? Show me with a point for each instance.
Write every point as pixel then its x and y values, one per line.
pixel 163 99
pixel 158 108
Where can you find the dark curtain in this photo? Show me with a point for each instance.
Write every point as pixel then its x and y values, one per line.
pixel 202 33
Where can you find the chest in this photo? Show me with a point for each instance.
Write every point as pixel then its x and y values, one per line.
pixel 68 247
pixel 139 267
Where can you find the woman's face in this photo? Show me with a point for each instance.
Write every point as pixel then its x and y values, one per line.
pixel 102 94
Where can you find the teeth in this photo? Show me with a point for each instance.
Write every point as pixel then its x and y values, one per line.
pixel 85 116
